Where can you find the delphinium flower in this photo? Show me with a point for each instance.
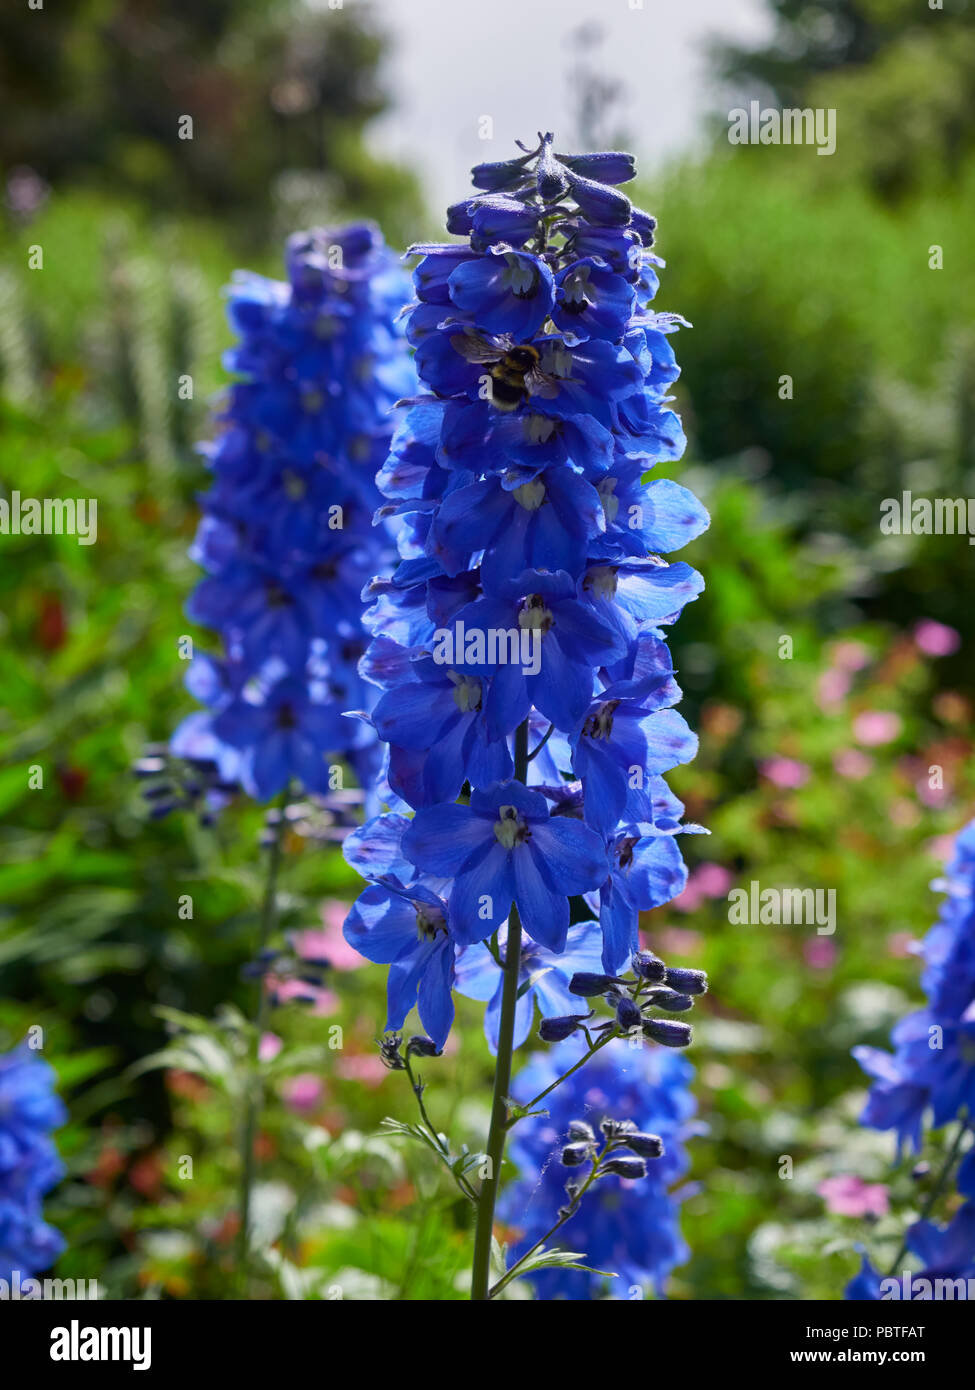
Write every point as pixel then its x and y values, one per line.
pixel 287 539
pixel 29 1162
pixel 929 1079
pixel 528 691
pixel 628 1224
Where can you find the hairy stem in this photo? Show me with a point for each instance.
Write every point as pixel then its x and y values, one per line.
pixel 593 1049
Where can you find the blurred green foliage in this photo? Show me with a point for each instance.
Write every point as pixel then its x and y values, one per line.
pixel 900 75
pixel 99 92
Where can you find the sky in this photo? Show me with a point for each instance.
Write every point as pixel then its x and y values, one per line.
pixel 455 62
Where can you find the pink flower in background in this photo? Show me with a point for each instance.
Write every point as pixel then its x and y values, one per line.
pixel 328 943
pixel 788 773
pixel 847 1195
pixel 850 762
pixel 678 941
pixel 707 881
pixel 819 953
pixel 832 688
pixel 936 639
pixel 302 1093
pixel 941 847
pixel 932 796
pixel 269 1047
pixel 876 726
pixel 851 656
pixel 364 1067
pixel 901 944
pixel 319 1001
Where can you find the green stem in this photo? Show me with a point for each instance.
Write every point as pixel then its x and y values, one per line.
pixel 497 1133
pixel 253 1087
pixel 935 1192
pixel 442 1148
pixel 593 1049
pixel 567 1214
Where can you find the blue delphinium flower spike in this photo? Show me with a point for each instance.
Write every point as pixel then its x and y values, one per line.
pixel 933 1066
pixel 929 1079
pixel 531 588
pixel 29 1162
pixel 287 537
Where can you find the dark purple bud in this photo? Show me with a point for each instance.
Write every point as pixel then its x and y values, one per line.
pixel 551 177
pixel 648 966
pixel 628 1014
pixel 499 218
pixel 687 981
pixel 421 1046
pixel 625 1166
pixel 574 1154
pixel 600 204
pixel 646 1145
pixel 672 1001
pixel 609 166
pixel 558 1029
pixel 669 1032
pixel 459 218
pixel 581 1132
pixel 644 225
pixel 585 983
pixel 613 1128
pixel 498 175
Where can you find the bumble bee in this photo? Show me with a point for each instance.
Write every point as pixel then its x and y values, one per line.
pixel 512 367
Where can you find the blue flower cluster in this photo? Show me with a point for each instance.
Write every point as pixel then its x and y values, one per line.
pixel 933 1065
pixel 930 1077
pixel 287 539
pixel 29 1163
pixel 626 1226
pixel 530 596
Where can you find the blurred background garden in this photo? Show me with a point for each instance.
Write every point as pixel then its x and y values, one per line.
pixel 817 752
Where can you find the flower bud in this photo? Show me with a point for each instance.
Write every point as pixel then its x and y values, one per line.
pixel 574 1154
pixel 558 1029
pixel 585 983
pixel 671 1001
pixel 581 1132
pixel 421 1046
pixel 669 1032
pixel 687 981
pixel 625 1166
pixel 628 1014
pixel 613 1128
pixel 648 966
pixel 646 1145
